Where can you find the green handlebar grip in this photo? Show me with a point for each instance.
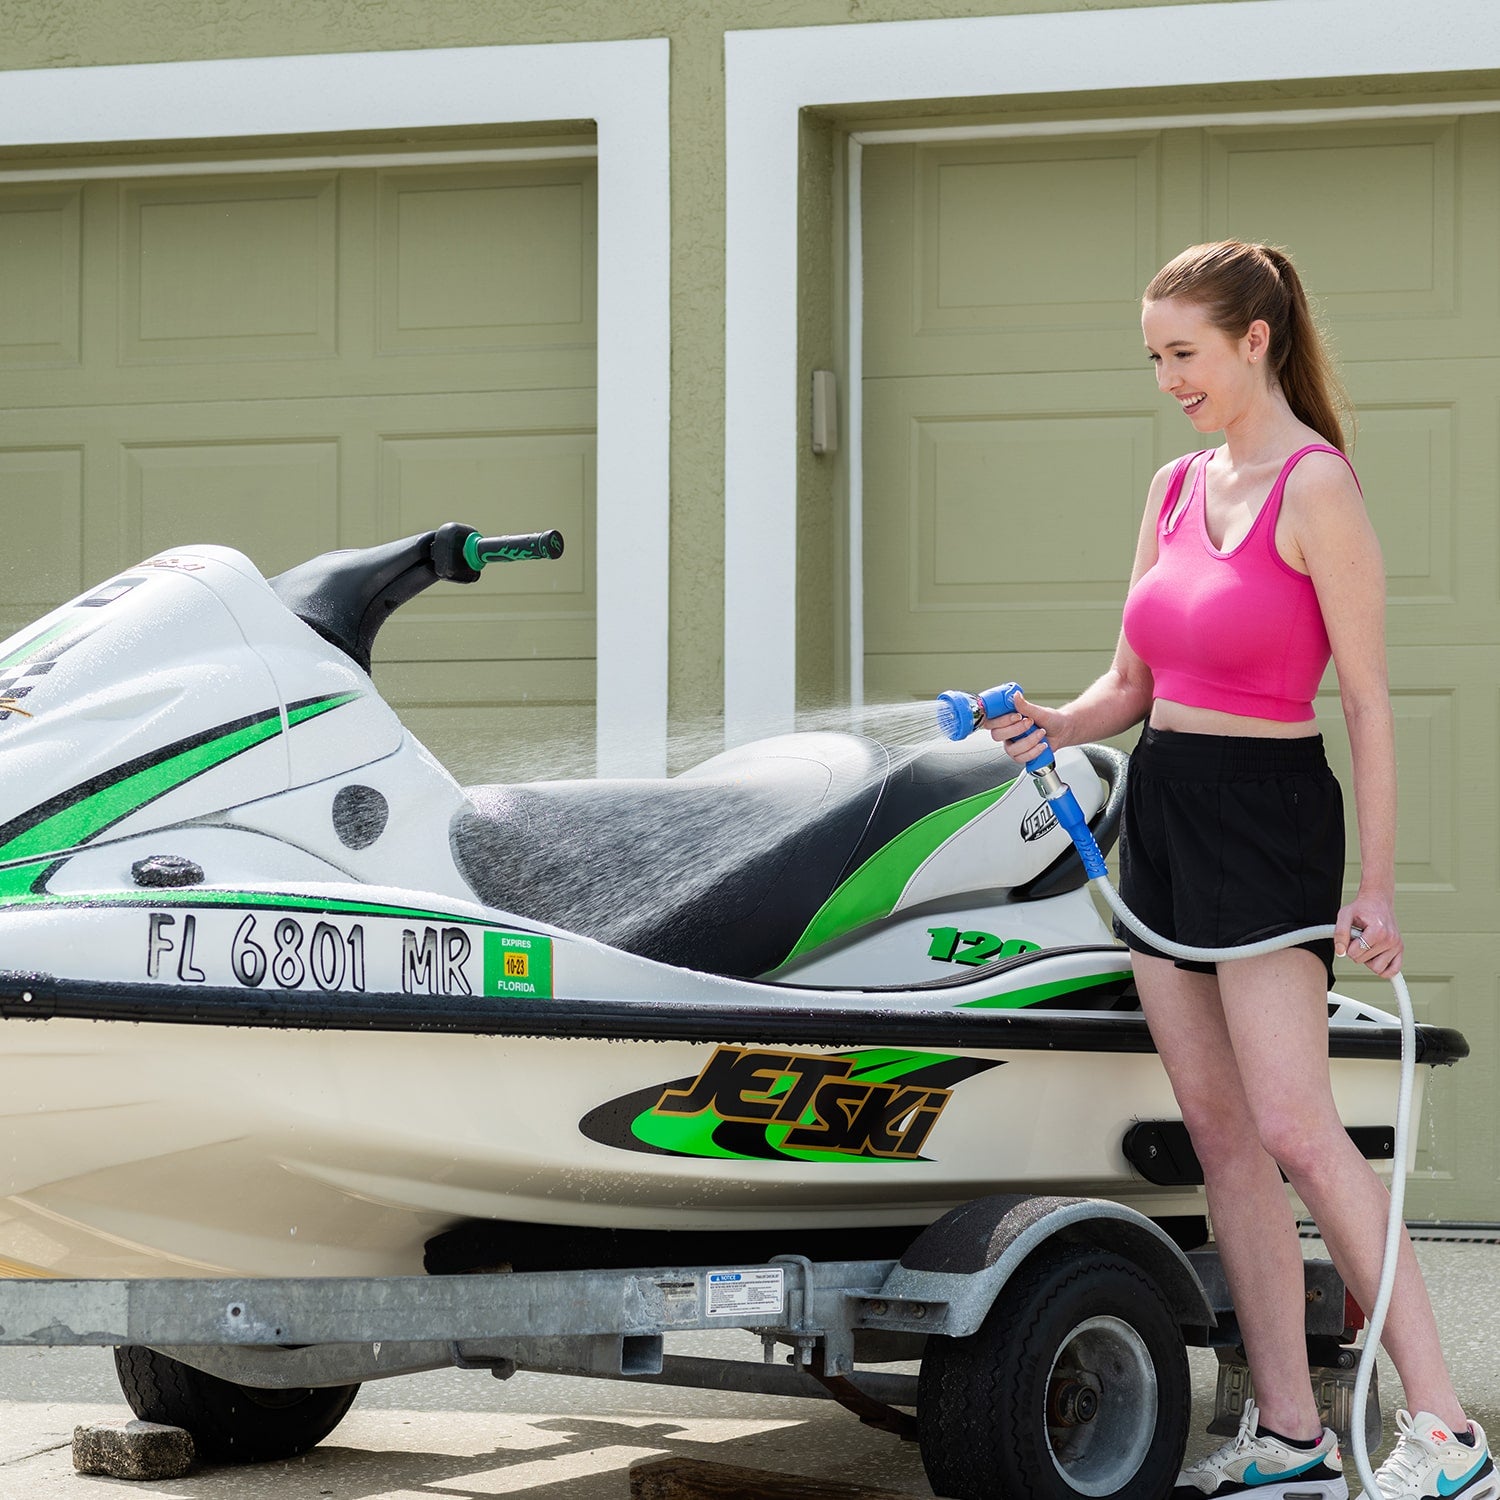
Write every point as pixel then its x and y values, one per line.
pixel 543 545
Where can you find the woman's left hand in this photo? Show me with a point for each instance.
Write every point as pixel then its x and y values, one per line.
pixel 1366 931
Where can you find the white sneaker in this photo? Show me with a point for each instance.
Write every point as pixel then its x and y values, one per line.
pixel 1254 1464
pixel 1428 1460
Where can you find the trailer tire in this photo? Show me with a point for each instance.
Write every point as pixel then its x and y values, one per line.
pixel 230 1424
pixel 1075 1384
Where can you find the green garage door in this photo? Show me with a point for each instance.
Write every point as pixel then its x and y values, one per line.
pixel 1012 424
pixel 289 362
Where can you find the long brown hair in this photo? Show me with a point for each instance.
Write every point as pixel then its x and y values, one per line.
pixel 1235 283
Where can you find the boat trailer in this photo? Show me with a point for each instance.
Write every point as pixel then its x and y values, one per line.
pixel 1083 1303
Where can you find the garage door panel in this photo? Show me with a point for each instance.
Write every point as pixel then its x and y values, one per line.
pixel 979 476
pixel 1426 453
pixel 1427 844
pixel 1454 1171
pixel 1447 718
pixel 276 501
pixel 1371 214
pixel 40 283
pixel 1428 755
pixel 983 267
pixel 42 505
pixel 1406 463
pixel 480 259
pixel 1011 256
pixel 1013 514
pixel 229 270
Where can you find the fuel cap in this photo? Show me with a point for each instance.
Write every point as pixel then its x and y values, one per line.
pixel 158 870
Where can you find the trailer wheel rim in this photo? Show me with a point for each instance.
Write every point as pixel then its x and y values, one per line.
pixel 1108 1360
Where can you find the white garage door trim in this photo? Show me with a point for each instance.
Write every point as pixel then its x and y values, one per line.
pixel 267 165
pixel 771 75
pixel 623 87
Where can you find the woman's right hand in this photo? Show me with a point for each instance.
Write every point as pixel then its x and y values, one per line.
pixel 1023 732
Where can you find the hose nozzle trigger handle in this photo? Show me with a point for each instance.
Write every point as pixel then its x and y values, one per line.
pixel 959 714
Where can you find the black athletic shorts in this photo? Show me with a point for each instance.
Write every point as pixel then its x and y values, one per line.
pixel 1227 840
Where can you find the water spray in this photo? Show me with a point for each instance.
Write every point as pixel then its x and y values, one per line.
pixel 959 714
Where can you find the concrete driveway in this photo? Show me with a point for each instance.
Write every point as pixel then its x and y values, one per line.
pixel 456 1435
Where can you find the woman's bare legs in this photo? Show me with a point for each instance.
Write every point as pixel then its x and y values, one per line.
pixel 1247 1054
pixel 1254 1231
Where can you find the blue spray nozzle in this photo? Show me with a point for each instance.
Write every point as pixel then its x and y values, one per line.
pixel 958 714
pixel 1000 700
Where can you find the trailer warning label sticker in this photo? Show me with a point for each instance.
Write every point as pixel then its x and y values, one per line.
pixel 734 1294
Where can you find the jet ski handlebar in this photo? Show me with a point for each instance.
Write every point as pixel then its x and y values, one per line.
pixel 346 596
pixel 537 545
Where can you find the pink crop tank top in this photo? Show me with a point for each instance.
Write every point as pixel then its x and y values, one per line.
pixel 1239 632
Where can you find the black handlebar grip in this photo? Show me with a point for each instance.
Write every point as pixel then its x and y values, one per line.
pixel 538 545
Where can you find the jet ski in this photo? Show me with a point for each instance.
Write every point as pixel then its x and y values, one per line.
pixel 278 997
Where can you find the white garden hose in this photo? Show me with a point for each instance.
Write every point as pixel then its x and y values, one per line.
pixel 959 715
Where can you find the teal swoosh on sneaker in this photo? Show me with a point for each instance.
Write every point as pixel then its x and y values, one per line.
pixel 1253 1474
pixel 1448 1486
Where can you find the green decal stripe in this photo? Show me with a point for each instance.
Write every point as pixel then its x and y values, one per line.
pixel 690 1135
pixel 30 648
pixel 18 883
pixel 311 708
pixel 873 890
pixel 877 1065
pixel 91 814
pixel 85 814
pixel 1039 994
pixel 884 1065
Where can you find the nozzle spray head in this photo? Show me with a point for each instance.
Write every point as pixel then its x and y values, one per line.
pixel 958 714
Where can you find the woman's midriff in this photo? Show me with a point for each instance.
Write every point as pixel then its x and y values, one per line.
pixel 1185 719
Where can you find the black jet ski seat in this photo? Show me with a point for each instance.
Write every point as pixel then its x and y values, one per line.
pixel 721 868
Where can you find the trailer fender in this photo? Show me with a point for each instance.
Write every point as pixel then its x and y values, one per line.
pixel 952 1272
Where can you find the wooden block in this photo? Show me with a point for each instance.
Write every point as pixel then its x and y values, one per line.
pixel 132 1450
pixel 691 1479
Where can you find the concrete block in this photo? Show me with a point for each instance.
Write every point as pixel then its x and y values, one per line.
pixel 692 1479
pixel 132 1450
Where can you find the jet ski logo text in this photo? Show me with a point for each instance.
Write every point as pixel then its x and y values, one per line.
pixel 825 1108
pixel 876 1104
pixel 1036 823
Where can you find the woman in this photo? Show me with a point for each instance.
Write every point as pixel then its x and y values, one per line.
pixel 1256 562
